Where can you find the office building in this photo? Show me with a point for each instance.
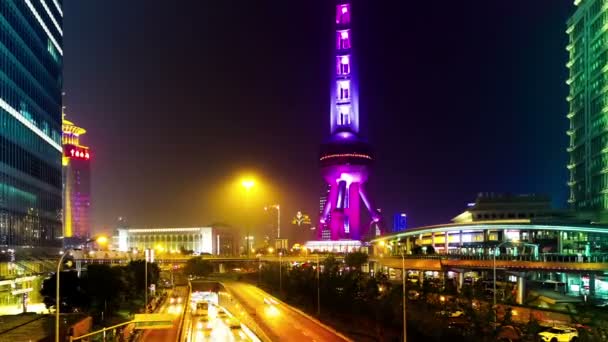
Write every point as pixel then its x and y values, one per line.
pixel 31 62
pixel 200 240
pixel 588 108
pixel 399 222
pixel 76 186
pixel 499 206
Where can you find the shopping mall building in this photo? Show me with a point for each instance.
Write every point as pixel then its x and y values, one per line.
pixel 536 247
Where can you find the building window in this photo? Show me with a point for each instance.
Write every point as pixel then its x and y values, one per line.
pixel 343 65
pixel 343 14
pixel 343 90
pixel 344 117
pixel 343 41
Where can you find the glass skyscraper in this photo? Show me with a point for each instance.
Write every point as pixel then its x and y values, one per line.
pixel 30 122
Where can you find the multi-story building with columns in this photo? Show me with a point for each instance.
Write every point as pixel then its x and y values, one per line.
pixel 174 240
pixel 537 247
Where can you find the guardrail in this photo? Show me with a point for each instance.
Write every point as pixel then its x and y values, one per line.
pixel 180 329
pixel 243 315
pixel 548 257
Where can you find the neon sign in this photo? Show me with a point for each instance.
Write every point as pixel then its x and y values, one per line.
pixel 76 152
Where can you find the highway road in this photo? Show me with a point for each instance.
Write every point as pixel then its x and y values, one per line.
pixel 281 321
pixel 215 328
pixel 176 309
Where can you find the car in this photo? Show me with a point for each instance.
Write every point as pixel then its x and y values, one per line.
pixel 270 301
pixel 202 308
pixel 234 324
pixel 559 334
pixel 203 318
pixel 221 313
pixel 449 313
pixel 413 295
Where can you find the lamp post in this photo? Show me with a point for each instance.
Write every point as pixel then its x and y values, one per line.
pixel 404 297
pixel 318 287
pixel 102 240
pixel 247 184
pixel 280 272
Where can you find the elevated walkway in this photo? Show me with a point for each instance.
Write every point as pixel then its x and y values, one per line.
pixel 446 262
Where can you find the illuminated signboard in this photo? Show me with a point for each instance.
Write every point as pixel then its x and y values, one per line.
pixel 76 152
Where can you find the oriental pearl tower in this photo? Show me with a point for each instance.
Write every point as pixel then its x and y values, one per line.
pixel 345 157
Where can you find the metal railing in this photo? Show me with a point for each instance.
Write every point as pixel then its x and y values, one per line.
pixel 544 257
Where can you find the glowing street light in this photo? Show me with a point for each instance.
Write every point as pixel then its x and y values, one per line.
pixel 247 183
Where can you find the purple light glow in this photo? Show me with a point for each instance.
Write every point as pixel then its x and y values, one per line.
pixel 344 9
pixel 344 34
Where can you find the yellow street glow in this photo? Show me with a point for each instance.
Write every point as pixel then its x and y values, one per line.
pixel 248 183
pixel 102 240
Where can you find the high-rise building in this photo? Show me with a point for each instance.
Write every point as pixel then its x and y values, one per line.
pixel 31 62
pixel 345 158
pixel 323 227
pixel 76 185
pixel 588 107
pixel 399 222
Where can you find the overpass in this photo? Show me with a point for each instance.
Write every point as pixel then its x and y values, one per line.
pixel 514 263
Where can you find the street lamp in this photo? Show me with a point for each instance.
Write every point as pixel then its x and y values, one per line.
pixel 278 208
pixel 280 272
pixel 101 240
pixel 318 288
pixel 247 184
pixel 404 297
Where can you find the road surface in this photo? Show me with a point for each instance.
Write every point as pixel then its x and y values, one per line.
pixel 176 309
pixel 281 321
pixel 214 328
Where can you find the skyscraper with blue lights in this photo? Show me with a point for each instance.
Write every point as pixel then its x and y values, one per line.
pixel 31 62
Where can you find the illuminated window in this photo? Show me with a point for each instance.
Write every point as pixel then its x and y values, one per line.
pixel 343 40
pixel 343 14
pixel 343 90
pixel 343 65
pixel 344 117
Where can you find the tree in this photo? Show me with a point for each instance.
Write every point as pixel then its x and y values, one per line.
pixel 106 287
pixel 136 270
pixel 198 267
pixel 356 260
pixel 72 296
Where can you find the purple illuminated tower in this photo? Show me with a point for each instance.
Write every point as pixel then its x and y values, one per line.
pixel 345 158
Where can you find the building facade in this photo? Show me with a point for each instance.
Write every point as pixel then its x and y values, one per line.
pixel 588 107
pixel 200 240
pixel 31 66
pixel 500 206
pixel 399 222
pixel 76 185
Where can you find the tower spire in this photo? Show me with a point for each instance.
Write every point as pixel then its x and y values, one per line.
pixel 344 87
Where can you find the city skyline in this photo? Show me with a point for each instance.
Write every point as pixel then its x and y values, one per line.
pixel 438 143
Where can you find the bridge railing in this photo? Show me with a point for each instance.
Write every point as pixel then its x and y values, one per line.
pixel 545 257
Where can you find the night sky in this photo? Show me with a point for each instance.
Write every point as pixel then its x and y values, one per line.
pixel 181 97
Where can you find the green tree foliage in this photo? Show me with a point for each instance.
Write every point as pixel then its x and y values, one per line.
pixel 107 287
pixel 73 296
pixel 101 288
pixel 356 260
pixel 198 267
pixel 137 270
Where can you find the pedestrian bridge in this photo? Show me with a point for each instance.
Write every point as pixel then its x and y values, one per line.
pixel 516 263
